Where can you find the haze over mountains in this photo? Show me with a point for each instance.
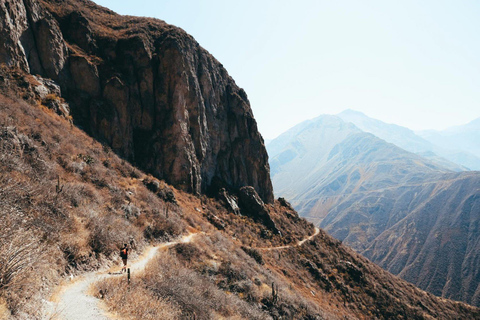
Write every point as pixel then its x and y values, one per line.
pixel 460 148
pixel 465 137
pixel 413 216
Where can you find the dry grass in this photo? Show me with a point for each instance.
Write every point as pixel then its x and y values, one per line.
pixel 4 312
pixel 174 292
pixel 135 301
pixel 76 202
pixel 62 206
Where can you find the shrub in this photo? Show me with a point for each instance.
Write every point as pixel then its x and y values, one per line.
pixel 163 229
pixel 187 251
pixel 255 254
pixel 118 297
pixel 109 232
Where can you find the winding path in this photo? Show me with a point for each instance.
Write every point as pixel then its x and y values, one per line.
pixel 74 302
pixel 298 244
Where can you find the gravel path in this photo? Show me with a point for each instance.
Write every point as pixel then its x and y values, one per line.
pixel 76 304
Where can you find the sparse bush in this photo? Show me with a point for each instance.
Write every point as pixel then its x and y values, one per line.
pixel 163 229
pixel 254 253
pixel 19 252
pixel 193 293
pixel 119 295
pixel 187 251
pixel 109 232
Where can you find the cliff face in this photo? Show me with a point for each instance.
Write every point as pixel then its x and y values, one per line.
pixel 145 88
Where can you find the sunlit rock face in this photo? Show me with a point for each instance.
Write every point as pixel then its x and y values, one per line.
pixel 145 88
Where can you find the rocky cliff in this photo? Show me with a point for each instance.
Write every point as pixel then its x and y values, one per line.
pixel 145 88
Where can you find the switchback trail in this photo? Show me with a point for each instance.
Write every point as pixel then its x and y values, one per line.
pixel 299 243
pixel 74 303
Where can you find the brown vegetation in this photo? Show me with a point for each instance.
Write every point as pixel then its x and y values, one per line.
pixel 68 203
pixel 62 209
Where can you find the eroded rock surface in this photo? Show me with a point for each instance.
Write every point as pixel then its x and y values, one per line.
pixel 144 87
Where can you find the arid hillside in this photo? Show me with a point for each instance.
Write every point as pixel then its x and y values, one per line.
pixel 69 202
pixel 118 129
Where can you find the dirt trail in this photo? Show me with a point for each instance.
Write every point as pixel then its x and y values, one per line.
pixel 299 243
pixel 74 303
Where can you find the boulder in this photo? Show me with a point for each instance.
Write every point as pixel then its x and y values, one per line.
pixel 252 205
pixel 231 202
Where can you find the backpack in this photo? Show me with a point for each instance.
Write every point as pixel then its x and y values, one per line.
pixel 123 253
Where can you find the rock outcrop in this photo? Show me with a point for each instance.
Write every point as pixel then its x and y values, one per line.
pixel 144 87
pixel 251 204
pixel 31 38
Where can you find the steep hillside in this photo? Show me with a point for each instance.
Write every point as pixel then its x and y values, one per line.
pixel 76 202
pixel 410 141
pixel 403 212
pixel 145 88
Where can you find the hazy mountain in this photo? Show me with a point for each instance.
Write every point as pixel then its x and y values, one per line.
pixel 309 152
pixel 464 138
pixel 410 141
pixel 389 204
pixel 401 136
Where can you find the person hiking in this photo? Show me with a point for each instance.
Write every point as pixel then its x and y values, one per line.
pixel 124 256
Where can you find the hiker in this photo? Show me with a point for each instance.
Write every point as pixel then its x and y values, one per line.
pixel 124 256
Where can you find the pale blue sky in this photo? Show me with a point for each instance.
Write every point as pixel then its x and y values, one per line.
pixel 413 63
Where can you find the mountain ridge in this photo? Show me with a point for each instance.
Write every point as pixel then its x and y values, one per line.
pixel 409 140
pixel 69 201
pixel 62 188
pixel 457 138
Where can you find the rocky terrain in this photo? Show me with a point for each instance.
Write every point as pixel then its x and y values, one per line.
pixel 145 88
pixel 410 215
pixel 69 202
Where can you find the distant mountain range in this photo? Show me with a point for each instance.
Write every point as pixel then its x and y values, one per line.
pixel 449 152
pixel 459 139
pixel 413 216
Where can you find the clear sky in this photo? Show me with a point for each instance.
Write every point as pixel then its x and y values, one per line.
pixel 413 63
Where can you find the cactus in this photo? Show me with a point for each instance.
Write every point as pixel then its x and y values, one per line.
pixel 58 187
pixel 274 293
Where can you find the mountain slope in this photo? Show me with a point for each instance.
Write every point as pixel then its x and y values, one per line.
pixel 68 202
pixel 410 141
pixel 388 204
pixel 303 158
pixel 398 135
pixel 76 202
